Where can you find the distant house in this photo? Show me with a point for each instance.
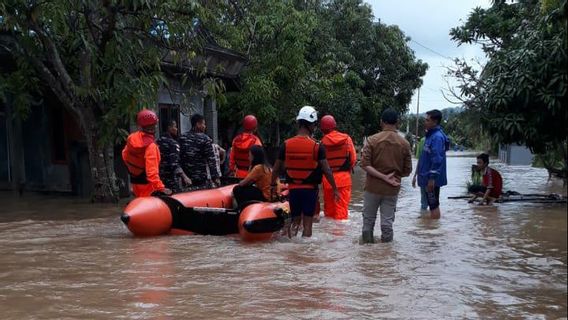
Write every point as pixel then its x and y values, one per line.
pixel 47 151
pixel 514 154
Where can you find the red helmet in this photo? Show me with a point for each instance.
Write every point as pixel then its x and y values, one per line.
pixel 146 118
pixel 249 122
pixel 327 123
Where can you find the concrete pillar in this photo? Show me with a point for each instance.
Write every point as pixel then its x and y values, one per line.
pixel 210 114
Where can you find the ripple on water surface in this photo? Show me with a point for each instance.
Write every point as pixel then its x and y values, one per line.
pixel 67 259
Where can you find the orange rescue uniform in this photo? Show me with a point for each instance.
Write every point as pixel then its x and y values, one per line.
pixel 142 158
pixel 302 156
pixel 239 162
pixel 341 156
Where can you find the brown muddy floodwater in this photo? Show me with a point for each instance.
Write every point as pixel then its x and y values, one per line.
pixel 63 259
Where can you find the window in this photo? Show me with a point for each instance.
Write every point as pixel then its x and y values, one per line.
pixel 167 114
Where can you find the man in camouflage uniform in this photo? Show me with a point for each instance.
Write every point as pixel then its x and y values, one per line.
pixel 198 156
pixel 170 168
pixel 220 155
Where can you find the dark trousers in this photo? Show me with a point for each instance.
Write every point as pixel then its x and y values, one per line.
pixel 476 189
pixel 246 194
pixel 433 198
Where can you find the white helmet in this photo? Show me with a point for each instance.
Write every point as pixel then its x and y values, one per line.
pixel 308 113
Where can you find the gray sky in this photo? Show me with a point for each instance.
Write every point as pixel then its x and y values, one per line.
pixel 428 23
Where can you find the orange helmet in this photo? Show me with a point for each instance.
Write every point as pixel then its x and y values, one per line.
pixel 249 122
pixel 327 124
pixel 146 118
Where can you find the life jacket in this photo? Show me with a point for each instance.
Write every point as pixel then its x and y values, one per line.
pixel 133 156
pixel 497 181
pixel 337 151
pixel 241 146
pixel 301 161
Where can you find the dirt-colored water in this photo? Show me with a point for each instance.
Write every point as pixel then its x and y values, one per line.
pixel 62 258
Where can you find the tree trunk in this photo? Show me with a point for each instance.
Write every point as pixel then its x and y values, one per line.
pixel 101 160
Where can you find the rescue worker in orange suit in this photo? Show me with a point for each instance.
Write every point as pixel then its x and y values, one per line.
pixel 341 156
pixel 142 157
pixel 303 160
pixel 239 162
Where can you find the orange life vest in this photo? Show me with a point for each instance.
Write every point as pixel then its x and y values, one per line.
pixel 241 146
pixel 337 152
pixel 301 161
pixel 133 156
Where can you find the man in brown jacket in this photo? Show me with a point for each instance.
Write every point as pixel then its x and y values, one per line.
pixel 386 159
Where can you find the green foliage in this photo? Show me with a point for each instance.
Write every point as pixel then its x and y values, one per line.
pixel 331 55
pixel 18 85
pixel 463 128
pixel 461 125
pixel 104 57
pixel 408 123
pixel 554 161
pixel 103 60
pixel 494 27
pixel 520 95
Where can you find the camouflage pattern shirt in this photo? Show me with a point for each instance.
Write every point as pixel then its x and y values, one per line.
pixel 198 157
pixel 170 168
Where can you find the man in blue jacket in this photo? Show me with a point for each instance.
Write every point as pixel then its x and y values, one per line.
pixel 432 163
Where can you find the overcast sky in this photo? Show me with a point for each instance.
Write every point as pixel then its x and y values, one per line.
pixel 427 23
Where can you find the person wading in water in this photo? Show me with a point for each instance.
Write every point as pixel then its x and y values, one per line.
pixel 303 160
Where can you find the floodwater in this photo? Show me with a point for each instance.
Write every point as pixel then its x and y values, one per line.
pixel 64 259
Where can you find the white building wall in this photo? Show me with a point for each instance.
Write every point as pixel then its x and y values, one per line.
pixel 513 154
pixel 520 155
pixel 189 105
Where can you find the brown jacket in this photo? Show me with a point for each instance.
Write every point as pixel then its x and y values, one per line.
pixel 386 151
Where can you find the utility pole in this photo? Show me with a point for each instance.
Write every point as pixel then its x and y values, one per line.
pixel 417 113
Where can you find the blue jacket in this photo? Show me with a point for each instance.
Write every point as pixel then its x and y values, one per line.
pixel 432 162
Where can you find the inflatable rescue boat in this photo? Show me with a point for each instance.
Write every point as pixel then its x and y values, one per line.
pixel 206 212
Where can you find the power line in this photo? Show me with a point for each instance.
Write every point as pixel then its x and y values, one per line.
pixel 431 50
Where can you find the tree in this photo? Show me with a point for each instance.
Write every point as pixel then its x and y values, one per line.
pixel 103 60
pixel 520 94
pixel 369 63
pixel 329 54
pixel 275 35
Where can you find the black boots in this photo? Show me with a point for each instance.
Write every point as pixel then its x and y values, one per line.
pixel 368 237
pixel 386 234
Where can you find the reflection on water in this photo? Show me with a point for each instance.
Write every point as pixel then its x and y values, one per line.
pixel 65 259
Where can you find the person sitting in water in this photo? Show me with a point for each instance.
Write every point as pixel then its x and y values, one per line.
pixel 256 185
pixel 486 182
